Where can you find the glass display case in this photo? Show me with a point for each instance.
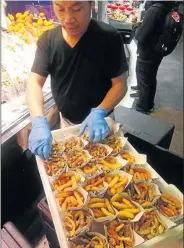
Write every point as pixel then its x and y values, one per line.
pixel 19 40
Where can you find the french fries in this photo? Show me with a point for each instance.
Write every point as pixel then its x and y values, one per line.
pixel 127 156
pixel 75 220
pixel 143 193
pixel 54 165
pixel 140 174
pixel 110 164
pixel 115 144
pixel 127 209
pixel 97 241
pixel 120 235
pixel 101 207
pixel 78 159
pixel 57 149
pixel 66 182
pixel 149 225
pixel 71 199
pixel 98 151
pixel 94 184
pixel 116 183
pixel 89 240
pixel 169 205
pixel 73 143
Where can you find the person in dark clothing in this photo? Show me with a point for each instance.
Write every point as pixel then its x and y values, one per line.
pixel 86 61
pixel 148 60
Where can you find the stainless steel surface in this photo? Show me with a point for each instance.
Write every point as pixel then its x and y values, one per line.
pixel 22 119
pixel 120 24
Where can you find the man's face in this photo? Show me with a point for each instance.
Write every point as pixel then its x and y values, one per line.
pixel 74 16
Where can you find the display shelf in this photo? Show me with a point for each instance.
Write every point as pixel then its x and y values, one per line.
pixel 15 116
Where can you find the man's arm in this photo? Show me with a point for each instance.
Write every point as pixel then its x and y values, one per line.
pixel 34 95
pixel 116 93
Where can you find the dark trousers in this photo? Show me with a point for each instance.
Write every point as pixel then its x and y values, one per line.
pixel 146 72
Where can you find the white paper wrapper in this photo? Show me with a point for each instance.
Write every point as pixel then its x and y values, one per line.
pixel 121 173
pixel 82 230
pixel 83 145
pixel 100 193
pixel 92 174
pixel 137 238
pixel 140 159
pixel 153 174
pixel 123 163
pixel 60 172
pixel 165 221
pixel 122 141
pixel 52 180
pixel 93 234
pixel 60 152
pixel 137 216
pixel 83 193
pixel 155 189
pixel 108 149
pixel 104 219
pixel 113 126
pixel 89 158
pixel 175 218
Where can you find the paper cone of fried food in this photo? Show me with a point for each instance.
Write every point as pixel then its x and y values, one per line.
pixel 152 224
pixel 117 182
pixel 76 222
pixel 71 200
pixel 144 193
pixel 116 143
pixel 121 234
pixel 99 151
pixel 67 181
pixel 170 206
pixel 128 210
pixel 91 170
pixel 101 209
pixel 55 166
pixel 96 187
pixel 78 159
pixel 74 143
pixel 110 164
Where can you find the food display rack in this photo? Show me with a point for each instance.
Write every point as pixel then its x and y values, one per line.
pixel 174 234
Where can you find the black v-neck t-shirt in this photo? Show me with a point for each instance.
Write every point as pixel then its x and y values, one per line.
pixel 80 76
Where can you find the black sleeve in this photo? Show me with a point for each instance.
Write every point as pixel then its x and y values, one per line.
pixel 116 59
pixel 147 26
pixel 41 61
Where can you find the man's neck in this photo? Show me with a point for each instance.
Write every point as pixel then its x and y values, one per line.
pixel 70 40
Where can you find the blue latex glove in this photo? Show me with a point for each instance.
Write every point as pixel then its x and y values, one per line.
pixel 96 124
pixel 40 138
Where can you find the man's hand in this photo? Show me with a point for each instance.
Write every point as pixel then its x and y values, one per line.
pixel 96 124
pixel 40 138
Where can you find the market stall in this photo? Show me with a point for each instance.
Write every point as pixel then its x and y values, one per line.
pixel 18 49
pixel 106 194
pixel 123 15
pixel 19 35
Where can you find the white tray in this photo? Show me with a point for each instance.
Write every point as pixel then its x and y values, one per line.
pixel 163 241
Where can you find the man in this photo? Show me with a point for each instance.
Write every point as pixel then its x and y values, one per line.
pixel 148 60
pixel 87 64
